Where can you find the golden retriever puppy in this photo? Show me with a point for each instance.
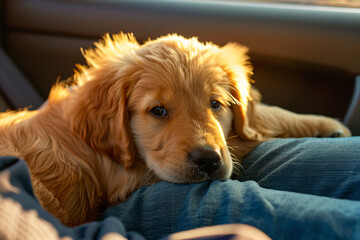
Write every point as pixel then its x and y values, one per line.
pixel 172 109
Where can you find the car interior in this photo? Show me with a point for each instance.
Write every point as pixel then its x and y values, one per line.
pixel 306 58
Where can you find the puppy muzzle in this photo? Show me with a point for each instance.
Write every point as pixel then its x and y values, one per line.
pixel 206 159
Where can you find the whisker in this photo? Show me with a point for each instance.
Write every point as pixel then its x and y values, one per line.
pixel 150 177
pixel 233 157
pixel 238 169
pixel 231 148
pixel 233 136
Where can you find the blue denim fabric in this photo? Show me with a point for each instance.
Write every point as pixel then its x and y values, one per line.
pixel 327 167
pixel 165 208
pixel 300 170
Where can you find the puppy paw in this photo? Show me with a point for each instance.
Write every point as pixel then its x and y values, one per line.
pixel 333 135
pixel 329 127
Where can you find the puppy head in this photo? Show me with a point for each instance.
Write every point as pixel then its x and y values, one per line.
pixel 170 101
pixel 181 107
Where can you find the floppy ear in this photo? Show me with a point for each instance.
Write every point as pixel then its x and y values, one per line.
pixel 235 63
pixel 100 115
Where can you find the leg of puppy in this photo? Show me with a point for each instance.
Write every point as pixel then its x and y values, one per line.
pixel 273 121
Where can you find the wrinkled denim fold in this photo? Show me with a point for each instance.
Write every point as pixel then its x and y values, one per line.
pixel 305 189
pixel 320 166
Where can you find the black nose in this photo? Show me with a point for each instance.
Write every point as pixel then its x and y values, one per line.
pixel 206 159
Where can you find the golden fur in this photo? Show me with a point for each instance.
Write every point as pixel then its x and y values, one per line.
pixel 96 142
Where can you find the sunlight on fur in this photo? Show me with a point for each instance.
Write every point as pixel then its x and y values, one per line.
pixel 172 109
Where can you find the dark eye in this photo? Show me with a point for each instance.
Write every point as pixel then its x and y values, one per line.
pixel 159 111
pixel 215 105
